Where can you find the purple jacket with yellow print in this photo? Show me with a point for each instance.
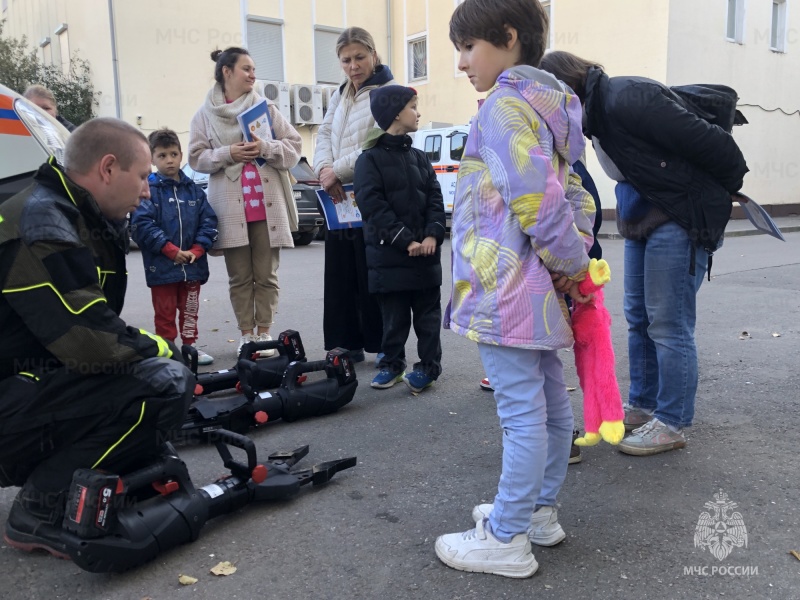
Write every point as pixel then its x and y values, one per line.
pixel 519 214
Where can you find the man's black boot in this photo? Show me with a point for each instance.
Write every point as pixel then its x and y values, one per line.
pixel 34 522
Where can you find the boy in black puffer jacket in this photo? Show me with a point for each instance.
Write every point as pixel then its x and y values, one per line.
pixel 404 225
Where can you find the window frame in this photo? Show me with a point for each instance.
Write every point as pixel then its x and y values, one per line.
pixel 436 142
pixel 410 41
pixel 738 21
pixel 260 74
pixel 777 34
pixel 547 5
pixel 453 136
pixel 340 77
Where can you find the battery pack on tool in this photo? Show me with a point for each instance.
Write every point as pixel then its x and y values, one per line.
pixel 90 506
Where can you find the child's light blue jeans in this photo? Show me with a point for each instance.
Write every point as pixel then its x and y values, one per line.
pixel 536 418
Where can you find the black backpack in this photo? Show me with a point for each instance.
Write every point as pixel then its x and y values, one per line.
pixel 712 102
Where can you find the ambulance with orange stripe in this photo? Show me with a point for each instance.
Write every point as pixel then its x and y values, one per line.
pixel 28 137
pixel 444 144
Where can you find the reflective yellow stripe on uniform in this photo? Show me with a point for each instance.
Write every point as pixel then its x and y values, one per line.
pixel 163 347
pixel 26 374
pixel 120 440
pixel 60 297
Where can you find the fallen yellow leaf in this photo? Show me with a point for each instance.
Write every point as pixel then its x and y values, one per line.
pixel 186 580
pixel 223 568
pixel 795 553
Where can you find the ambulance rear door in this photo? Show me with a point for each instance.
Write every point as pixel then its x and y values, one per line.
pixel 444 148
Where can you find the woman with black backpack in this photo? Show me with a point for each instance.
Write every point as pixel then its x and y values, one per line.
pixel 676 172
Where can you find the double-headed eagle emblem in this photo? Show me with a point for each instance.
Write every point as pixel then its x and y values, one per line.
pixel 720 531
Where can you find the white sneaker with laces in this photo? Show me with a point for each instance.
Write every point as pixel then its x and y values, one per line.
pixel 478 551
pixel 544 529
pixel 247 337
pixel 265 337
pixel 204 358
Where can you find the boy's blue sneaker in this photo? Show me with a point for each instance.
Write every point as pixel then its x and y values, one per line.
pixel 378 360
pixel 418 381
pixel 386 379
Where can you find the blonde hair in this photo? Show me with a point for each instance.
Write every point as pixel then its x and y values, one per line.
pixel 39 91
pixel 356 35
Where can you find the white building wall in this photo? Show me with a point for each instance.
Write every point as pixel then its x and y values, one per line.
pixel 764 79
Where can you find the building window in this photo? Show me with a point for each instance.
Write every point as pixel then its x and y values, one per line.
pixel 735 23
pixel 777 40
pixel 418 58
pixel 548 8
pixel 433 147
pixel 326 63
pixel 265 44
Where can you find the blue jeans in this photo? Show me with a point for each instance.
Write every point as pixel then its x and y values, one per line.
pixel 660 307
pixel 536 418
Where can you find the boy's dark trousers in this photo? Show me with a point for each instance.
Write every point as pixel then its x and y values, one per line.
pixel 182 297
pixel 397 309
pixel 351 315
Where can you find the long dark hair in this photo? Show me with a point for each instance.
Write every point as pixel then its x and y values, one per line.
pixel 226 58
pixel 570 69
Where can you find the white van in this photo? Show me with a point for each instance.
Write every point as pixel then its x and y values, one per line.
pixel 444 145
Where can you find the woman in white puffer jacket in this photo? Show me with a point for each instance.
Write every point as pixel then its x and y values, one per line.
pixel 351 317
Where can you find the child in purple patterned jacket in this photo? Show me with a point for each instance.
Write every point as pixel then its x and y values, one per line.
pixel 521 230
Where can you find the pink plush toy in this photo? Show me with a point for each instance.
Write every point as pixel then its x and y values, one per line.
pixel 594 360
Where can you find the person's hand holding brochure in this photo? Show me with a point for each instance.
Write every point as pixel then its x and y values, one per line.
pixel 340 214
pixel 256 125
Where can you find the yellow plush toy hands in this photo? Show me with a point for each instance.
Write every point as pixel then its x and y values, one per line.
pixel 611 432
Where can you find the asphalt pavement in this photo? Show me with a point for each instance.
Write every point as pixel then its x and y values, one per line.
pixel 424 461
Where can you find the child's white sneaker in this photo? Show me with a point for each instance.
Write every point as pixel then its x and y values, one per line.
pixel 544 528
pixel 265 337
pixel 478 551
pixel 203 358
pixel 246 338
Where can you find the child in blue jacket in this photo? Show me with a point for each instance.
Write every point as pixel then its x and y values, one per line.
pixel 174 229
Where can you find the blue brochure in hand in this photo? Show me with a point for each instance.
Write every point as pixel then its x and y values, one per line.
pixel 758 216
pixel 340 214
pixel 256 120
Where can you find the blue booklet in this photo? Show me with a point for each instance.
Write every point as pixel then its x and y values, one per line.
pixel 758 216
pixel 256 120
pixel 340 214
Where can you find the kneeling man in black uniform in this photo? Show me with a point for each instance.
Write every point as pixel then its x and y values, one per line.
pixel 78 387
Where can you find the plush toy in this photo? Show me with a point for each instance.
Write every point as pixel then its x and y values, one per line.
pixel 594 360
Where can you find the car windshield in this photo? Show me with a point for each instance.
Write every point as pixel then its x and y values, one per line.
pixel 303 172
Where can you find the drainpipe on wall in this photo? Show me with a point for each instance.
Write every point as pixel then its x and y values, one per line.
pixel 389 33
pixel 243 8
pixel 114 60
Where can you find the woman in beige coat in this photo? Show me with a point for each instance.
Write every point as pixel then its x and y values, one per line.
pixel 351 316
pixel 254 204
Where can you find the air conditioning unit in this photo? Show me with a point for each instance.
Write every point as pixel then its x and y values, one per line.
pixel 279 93
pixel 327 94
pixel 307 104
